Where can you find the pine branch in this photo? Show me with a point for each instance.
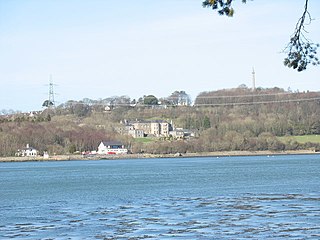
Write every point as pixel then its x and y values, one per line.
pixel 300 50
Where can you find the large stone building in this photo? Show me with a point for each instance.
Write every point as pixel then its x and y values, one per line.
pixel 142 128
pixel 154 128
pixel 157 128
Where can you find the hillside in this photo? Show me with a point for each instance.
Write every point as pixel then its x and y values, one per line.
pixel 230 119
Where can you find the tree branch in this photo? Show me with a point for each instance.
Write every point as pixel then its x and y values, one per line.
pixel 300 50
pixel 223 7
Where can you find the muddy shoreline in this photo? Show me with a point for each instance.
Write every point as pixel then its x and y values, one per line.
pixel 141 156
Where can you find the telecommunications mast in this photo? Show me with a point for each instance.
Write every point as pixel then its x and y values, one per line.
pixel 253 80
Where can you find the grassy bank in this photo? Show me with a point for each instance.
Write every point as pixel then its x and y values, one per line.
pixel 301 139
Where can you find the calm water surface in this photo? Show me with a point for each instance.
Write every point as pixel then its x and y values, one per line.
pixel 276 197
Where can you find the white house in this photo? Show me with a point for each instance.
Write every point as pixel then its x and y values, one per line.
pixel 27 152
pixel 45 155
pixel 111 147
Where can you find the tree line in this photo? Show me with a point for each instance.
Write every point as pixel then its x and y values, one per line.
pixel 220 124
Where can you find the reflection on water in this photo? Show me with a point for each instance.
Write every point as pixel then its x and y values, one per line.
pixel 262 216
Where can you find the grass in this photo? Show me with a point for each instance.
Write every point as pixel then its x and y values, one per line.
pixel 144 140
pixel 301 139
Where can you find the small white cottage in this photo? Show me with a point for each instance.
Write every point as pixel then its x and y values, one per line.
pixel 28 152
pixel 111 147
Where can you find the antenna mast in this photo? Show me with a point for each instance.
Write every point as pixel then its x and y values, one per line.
pixel 253 80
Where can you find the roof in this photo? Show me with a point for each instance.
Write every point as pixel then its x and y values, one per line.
pixel 29 148
pixel 147 121
pixel 112 143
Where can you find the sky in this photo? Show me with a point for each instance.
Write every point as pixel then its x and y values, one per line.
pixel 101 48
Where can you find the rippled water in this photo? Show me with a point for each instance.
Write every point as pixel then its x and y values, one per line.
pixel 191 198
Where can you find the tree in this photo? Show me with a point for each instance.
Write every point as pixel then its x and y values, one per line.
pixel 47 103
pixel 206 122
pixel 80 109
pixel 48 118
pixel 72 148
pixel 315 128
pixel 180 98
pixel 150 100
pixel 300 51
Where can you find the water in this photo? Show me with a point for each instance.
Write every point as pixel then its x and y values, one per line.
pixel 276 197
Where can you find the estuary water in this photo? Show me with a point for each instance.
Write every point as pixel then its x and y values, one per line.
pixel 256 197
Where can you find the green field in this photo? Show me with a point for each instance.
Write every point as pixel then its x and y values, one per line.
pixel 301 139
pixel 144 140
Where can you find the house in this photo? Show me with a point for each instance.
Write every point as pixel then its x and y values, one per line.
pixel 177 133
pixel 45 155
pixel 27 152
pixel 136 133
pixel 111 147
pixel 164 128
pixel 129 129
pixel 142 125
pixel 156 128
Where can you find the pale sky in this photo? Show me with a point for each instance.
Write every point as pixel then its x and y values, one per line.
pixel 102 48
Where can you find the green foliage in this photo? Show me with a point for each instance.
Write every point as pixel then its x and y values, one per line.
pixel 315 127
pixel 72 148
pixel 300 139
pixel 47 103
pixel 300 54
pixel 48 118
pixel 223 7
pixel 144 140
pixel 206 122
pixel 150 100
pixel 80 110
pixel 217 126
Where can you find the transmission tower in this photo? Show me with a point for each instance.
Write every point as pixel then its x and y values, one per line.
pixel 51 93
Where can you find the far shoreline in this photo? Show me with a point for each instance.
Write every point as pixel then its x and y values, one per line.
pixel 150 156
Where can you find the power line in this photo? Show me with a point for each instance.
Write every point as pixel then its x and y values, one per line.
pixel 248 95
pixel 200 104
pixel 258 102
